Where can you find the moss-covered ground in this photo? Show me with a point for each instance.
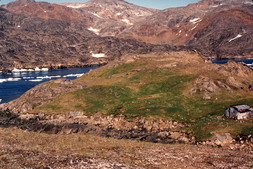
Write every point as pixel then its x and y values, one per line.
pixel 149 88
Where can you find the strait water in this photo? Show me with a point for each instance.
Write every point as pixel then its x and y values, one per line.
pixel 247 61
pixel 13 85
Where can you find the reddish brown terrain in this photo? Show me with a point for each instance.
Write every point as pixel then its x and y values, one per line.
pixel 45 10
pixel 214 28
pixel 210 27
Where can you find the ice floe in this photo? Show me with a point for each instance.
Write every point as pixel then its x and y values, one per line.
pixel 48 77
pixel 15 70
pixel 28 77
pixel 238 36
pixel 36 80
pixel 10 80
pixel 42 69
pixel 74 75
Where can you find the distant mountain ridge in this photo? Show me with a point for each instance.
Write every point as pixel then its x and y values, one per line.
pixel 213 28
pixel 28 42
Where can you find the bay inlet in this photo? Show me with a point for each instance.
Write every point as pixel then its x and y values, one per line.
pixel 15 84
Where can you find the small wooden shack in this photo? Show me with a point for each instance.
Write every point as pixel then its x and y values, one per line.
pixel 239 112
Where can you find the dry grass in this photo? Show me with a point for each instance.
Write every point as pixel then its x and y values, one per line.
pixel 16 143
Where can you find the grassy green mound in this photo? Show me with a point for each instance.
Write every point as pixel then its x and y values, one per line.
pixel 145 89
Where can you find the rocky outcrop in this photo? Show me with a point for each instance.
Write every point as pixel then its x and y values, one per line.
pixel 235 76
pixel 226 34
pixel 39 95
pixel 208 86
pixel 235 69
pixel 225 140
pixel 161 131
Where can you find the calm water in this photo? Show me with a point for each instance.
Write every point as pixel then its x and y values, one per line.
pixel 14 85
pixel 247 61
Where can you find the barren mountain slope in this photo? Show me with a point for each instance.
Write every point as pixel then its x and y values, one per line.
pixel 200 23
pixel 110 17
pixel 29 42
pixel 46 11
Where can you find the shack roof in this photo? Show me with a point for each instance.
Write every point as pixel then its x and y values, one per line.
pixel 241 107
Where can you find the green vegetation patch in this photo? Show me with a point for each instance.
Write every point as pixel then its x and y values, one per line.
pixel 156 93
pixel 121 69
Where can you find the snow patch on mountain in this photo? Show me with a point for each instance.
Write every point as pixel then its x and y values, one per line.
pixel 195 20
pixel 96 31
pixel 127 21
pixel 238 36
pixel 76 6
pixel 194 27
pixel 96 15
pixel 251 3
pixel 98 55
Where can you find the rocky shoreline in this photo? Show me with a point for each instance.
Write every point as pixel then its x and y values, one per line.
pixel 50 67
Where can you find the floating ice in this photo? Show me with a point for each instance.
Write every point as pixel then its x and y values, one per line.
pixel 36 80
pixel 15 70
pixel 74 75
pixel 10 80
pixel 28 77
pixel 48 77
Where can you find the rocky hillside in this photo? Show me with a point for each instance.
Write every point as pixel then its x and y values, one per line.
pixel 110 17
pixel 31 41
pixel 217 25
pixel 144 94
pixel 46 11
pixel 225 34
pixel 44 34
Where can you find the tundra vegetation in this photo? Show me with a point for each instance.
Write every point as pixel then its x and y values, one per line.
pixel 162 86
